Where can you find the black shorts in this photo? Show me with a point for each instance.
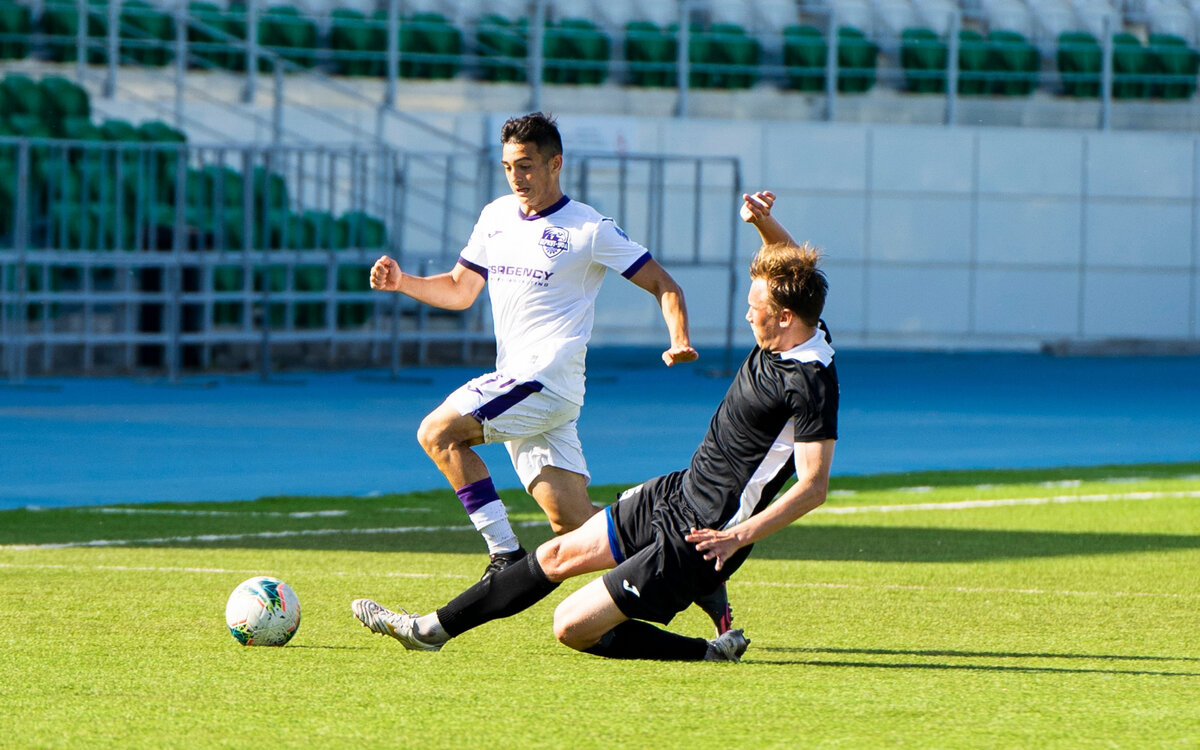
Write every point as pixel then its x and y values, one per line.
pixel 658 574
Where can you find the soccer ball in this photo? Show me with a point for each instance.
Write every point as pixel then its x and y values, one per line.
pixel 263 611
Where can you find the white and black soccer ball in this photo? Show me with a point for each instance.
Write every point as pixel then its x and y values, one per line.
pixel 263 611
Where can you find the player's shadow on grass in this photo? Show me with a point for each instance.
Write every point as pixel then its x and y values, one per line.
pixel 993 661
pixel 919 544
pixel 799 542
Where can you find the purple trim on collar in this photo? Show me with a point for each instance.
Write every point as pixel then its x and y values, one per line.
pixel 637 265
pixel 473 267
pixel 543 214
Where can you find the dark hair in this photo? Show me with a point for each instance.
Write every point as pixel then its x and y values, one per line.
pixel 793 279
pixel 536 128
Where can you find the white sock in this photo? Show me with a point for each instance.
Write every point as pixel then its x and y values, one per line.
pixel 491 521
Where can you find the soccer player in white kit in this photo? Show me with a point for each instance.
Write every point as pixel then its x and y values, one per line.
pixel 542 257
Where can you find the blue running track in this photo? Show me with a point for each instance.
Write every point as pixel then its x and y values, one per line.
pixel 79 441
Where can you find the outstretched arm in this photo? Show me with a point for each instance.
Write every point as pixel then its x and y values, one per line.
pixel 813 461
pixel 654 279
pixel 455 290
pixel 756 210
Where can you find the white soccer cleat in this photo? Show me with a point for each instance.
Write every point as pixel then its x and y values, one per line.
pixel 399 625
pixel 728 646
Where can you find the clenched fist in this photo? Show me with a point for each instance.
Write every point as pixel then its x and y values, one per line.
pixel 385 275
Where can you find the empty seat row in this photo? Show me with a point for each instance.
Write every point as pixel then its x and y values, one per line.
pixel 115 186
pixel 1164 68
pixel 720 55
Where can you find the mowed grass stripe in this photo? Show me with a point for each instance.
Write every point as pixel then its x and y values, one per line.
pixel 739 583
pixel 948 505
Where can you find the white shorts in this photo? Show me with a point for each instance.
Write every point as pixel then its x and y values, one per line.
pixel 538 427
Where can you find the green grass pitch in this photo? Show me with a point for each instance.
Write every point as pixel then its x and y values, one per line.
pixel 1014 609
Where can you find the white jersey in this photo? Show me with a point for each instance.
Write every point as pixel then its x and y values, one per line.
pixel 544 272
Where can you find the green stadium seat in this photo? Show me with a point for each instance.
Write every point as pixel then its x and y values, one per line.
pixel 270 190
pixel 147 33
pixel 289 34
pixel 1132 66
pixel 206 48
pixel 23 95
pixel 62 99
pixel 593 46
pixel 432 36
pixel 857 60
pixel 1079 61
pixel 16 29
pixel 1174 66
pixel 502 48
pixel 804 56
pixel 8 186
pixel 1016 63
pixel 923 56
pixel 650 55
pixel 97 31
pixel 119 131
pixel 736 54
pixel 360 231
pixel 357 45
pixel 157 131
pixel 58 23
pixel 576 51
pixel 974 63
pixel 233 23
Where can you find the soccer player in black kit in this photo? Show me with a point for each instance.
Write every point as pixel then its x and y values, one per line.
pixel 677 537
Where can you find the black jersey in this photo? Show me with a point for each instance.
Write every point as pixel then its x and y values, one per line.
pixel 775 401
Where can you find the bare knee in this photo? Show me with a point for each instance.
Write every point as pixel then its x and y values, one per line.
pixel 436 436
pixel 570 630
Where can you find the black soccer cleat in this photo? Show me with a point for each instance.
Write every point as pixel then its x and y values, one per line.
pixel 502 560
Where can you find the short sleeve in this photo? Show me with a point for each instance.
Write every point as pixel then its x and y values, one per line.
pixel 813 398
pixel 474 255
pixel 613 248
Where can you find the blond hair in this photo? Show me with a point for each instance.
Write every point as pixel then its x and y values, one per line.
pixel 793 280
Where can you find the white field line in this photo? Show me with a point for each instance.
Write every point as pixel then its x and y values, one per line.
pixel 249 535
pixel 739 583
pixel 333 513
pixel 1007 502
pixel 212 571
pixel 855 509
pixel 214 513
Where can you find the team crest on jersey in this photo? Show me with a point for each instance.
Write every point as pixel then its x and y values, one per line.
pixel 555 241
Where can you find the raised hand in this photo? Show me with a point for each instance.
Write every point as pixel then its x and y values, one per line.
pixel 756 207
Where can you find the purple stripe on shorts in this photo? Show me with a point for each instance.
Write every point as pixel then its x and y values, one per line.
pixel 477 494
pixel 501 404
pixel 472 266
pixel 637 266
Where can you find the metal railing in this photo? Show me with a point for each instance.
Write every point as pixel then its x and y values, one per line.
pixel 169 259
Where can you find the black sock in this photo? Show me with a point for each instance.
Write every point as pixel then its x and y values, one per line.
pixel 634 639
pixel 512 590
